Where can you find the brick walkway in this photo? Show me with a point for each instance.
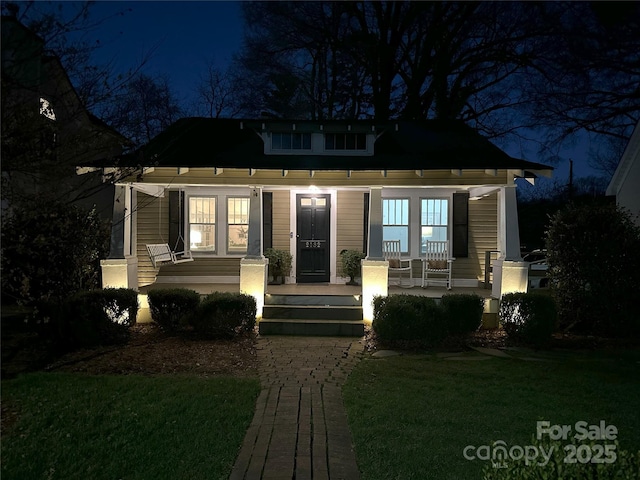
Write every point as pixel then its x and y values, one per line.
pixel 299 430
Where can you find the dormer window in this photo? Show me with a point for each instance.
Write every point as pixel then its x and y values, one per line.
pixel 345 141
pixel 291 141
pixel 46 110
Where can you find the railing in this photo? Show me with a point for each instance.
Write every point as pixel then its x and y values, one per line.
pixel 488 268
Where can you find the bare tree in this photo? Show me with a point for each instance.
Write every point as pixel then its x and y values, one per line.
pixel 217 94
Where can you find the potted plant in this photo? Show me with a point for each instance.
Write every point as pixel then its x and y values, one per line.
pixel 280 262
pixel 351 265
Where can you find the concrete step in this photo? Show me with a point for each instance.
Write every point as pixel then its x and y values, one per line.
pixel 311 327
pixel 311 312
pixel 324 300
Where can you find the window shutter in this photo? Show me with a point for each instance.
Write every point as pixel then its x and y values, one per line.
pixel 176 225
pixel 460 225
pixel 267 220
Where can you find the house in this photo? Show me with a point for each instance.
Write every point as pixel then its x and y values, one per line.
pixel 625 182
pixel 227 189
pixel 46 129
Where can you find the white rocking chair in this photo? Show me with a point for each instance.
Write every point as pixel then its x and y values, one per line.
pixel 160 253
pixel 391 252
pixel 437 262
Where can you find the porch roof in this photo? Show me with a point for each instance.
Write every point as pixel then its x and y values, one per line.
pixel 399 145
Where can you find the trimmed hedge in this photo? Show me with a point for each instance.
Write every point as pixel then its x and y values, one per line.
pixel 94 317
pixel 528 317
pixel 225 315
pixel 463 312
pixel 411 317
pixel 408 317
pixel 170 307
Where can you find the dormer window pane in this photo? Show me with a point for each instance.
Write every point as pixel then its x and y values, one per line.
pixel 345 141
pixel 291 141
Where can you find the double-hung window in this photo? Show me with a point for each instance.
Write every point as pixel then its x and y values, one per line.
pixel 395 221
pixel 202 224
pixel 434 218
pixel 237 224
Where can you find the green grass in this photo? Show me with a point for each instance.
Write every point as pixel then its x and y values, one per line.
pixel 130 427
pixel 412 416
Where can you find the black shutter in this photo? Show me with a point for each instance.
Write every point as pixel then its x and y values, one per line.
pixel 365 235
pixel 267 220
pixel 176 225
pixel 460 225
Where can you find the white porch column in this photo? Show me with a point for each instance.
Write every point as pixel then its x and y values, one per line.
pixel 253 267
pixel 510 273
pixel 120 269
pixel 375 269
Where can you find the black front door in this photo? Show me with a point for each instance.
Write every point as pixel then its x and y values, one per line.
pixel 313 249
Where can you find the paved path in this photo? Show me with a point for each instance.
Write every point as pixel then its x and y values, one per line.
pixel 299 430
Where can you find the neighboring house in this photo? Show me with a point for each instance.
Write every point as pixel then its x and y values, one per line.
pixel 46 129
pixel 228 189
pixel 625 183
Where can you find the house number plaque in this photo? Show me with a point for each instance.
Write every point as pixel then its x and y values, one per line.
pixel 313 244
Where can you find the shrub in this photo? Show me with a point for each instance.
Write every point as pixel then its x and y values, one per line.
pixel 50 250
pixel 351 264
pixel 280 262
pixel 225 315
pixel 594 267
pixel 94 317
pixel 463 312
pixel 626 464
pixel 408 317
pixel 170 307
pixel 528 317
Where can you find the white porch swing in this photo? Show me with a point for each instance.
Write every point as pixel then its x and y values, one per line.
pixel 161 253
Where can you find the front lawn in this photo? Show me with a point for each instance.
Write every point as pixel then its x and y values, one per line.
pixel 71 426
pixel 412 416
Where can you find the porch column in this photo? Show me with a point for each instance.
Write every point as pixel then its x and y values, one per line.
pixel 253 267
pixel 120 269
pixel 510 273
pixel 375 269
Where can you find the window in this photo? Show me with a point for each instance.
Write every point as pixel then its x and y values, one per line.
pixel 434 216
pixel 395 221
pixel 238 224
pixel 345 141
pixel 202 224
pixel 46 110
pixel 291 141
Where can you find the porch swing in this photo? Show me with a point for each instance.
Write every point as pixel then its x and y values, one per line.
pixel 161 253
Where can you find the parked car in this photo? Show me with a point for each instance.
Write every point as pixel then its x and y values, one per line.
pixel 538 269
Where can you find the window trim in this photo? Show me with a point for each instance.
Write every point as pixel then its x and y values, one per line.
pixel 420 224
pixel 407 226
pixel 216 229
pixel 227 224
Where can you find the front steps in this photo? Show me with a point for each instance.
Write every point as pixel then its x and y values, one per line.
pixel 318 315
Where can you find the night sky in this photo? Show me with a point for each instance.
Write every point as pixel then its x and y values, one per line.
pixel 183 36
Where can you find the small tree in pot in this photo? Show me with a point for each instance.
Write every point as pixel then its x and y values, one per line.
pixel 280 262
pixel 351 266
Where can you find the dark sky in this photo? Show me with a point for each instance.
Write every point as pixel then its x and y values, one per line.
pixel 183 35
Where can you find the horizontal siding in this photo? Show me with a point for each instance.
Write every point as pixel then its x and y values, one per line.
pixel 206 267
pixel 483 236
pixel 281 220
pixel 350 220
pixel 152 227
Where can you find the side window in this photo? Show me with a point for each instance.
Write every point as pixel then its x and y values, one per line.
pixel 395 221
pixel 237 224
pixel 434 220
pixel 202 224
pixel 291 141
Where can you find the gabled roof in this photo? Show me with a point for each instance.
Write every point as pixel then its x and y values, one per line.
pixel 631 154
pixel 400 145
